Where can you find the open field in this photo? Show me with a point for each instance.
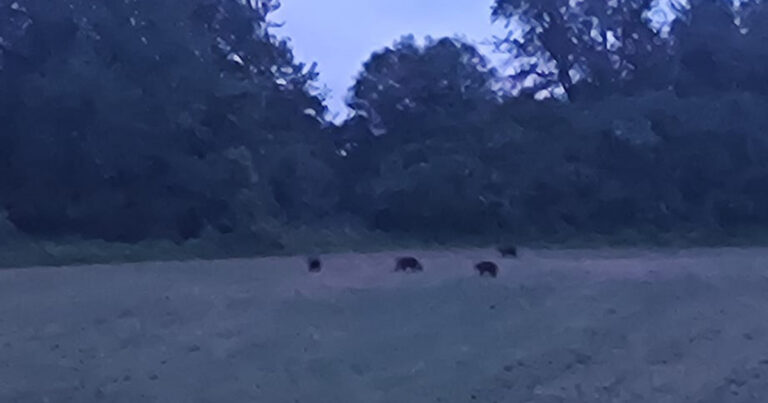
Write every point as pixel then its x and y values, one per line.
pixel 556 326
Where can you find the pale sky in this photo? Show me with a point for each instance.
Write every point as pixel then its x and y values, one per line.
pixel 341 34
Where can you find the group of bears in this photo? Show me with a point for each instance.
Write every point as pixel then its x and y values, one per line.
pixel 411 264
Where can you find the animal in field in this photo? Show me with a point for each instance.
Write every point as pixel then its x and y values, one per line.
pixel 314 265
pixel 488 268
pixel 507 250
pixel 408 263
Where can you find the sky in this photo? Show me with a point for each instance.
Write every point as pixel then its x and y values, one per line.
pixel 341 34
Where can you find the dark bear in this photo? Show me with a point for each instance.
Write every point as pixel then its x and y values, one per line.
pixel 314 265
pixel 507 250
pixel 489 268
pixel 408 263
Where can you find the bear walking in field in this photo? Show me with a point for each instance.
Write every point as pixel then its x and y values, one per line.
pixel 507 250
pixel 486 267
pixel 314 265
pixel 408 263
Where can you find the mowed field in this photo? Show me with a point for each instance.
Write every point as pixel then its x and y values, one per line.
pixel 555 326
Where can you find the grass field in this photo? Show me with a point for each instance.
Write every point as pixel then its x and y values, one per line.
pixel 610 325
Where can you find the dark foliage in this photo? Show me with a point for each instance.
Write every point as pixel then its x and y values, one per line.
pixel 129 120
pixel 647 146
pixel 598 47
pixel 133 119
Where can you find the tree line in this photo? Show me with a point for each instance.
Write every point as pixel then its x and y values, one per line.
pixel 133 120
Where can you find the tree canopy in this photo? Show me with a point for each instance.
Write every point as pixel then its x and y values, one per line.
pixel 130 120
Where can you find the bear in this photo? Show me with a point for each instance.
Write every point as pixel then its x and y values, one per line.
pixel 408 263
pixel 486 267
pixel 507 250
pixel 314 264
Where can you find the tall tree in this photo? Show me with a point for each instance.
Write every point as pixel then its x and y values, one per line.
pixel 596 47
pixel 423 103
pixel 128 119
pixel 441 80
pixel 722 48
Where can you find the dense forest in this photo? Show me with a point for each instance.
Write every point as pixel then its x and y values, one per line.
pixel 132 120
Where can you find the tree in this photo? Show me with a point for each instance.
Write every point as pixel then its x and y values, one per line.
pixel 135 119
pixel 413 85
pixel 722 49
pixel 424 103
pixel 596 47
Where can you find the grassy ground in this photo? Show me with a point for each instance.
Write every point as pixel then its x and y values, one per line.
pixel 614 325
pixel 21 251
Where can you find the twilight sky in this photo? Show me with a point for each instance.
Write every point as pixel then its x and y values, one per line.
pixel 341 34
